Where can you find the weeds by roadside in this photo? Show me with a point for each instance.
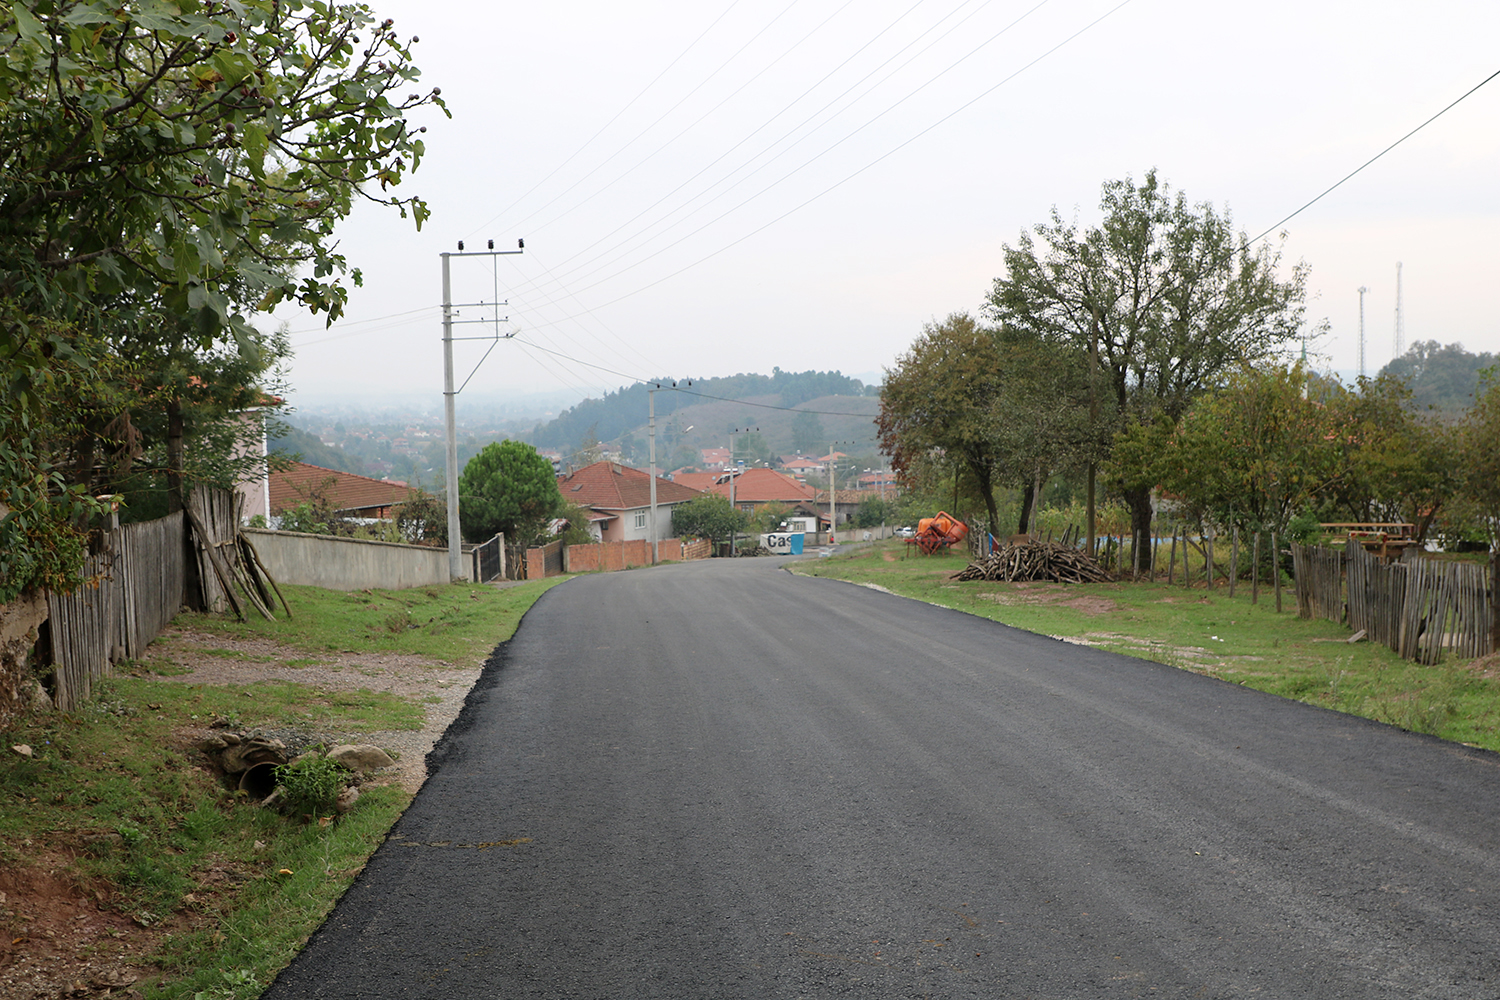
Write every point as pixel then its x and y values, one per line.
pixel 1209 633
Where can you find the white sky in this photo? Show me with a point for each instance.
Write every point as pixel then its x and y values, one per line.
pixel 707 188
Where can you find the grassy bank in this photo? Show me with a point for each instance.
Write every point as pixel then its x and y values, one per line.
pixel 114 817
pixel 1209 633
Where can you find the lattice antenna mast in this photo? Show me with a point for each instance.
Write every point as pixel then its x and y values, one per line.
pixel 1400 320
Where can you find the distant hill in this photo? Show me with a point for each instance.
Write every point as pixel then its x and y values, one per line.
pixel 701 415
pixel 1440 377
pixel 307 448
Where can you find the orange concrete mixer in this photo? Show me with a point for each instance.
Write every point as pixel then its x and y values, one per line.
pixel 942 531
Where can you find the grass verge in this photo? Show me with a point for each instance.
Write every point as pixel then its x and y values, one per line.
pixel 115 820
pixel 456 623
pixel 1208 633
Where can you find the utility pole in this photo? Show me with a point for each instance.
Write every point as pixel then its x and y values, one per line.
pixel 1093 424
pixel 833 492
pixel 651 432
pixel 1400 321
pixel 734 474
pixel 455 542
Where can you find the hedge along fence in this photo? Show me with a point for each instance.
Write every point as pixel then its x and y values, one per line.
pixel 1417 607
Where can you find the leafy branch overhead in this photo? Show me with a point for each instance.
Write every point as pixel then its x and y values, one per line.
pixel 198 153
pixel 166 170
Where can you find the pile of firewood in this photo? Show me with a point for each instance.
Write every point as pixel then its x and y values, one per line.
pixel 1034 561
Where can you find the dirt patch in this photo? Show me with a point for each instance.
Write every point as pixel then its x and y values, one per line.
pixel 1487 667
pixel 1054 595
pixel 61 939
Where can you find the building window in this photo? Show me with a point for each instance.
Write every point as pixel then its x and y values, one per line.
pixel 640 520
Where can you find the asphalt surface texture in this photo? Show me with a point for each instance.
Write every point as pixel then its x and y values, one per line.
pixel 719 779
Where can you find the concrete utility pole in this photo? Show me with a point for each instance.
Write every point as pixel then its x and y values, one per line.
pixel 833 492
pixel 651 432
pixel 450 473
pixel 734 474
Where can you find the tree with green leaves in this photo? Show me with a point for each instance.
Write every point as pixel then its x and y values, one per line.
pixel 168 171
pixel 708 516
pixel 1008 407
pixel 508 488
pixel 1400 462
pixel 1167 294
pixel 941 397
pixel 1251 455
pixel 1479 458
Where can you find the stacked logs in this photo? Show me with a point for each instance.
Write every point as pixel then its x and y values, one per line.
pixel 1037 561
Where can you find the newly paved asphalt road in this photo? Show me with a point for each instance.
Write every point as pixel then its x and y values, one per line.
pixel 722 780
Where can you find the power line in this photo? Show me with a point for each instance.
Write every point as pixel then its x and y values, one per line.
pixel 789 132
pixel 629 104
pixel 832 187
pixel 1378 155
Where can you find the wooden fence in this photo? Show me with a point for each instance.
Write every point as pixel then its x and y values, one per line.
pixel 133 586
pixel 1417 607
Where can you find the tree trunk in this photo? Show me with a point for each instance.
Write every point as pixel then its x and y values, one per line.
pixel 1139 502
pixel 174 455
pixel 987 487
pixel 1026 499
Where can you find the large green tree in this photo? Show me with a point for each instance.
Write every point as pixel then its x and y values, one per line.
pixel 941 396
pixel 508 488
pixel 708 516
pixel 1250 455
pixel 1006 407
pixel 167 170
pixel 1167 293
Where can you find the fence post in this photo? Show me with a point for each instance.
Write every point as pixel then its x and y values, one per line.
pixel 1255 570
pixel 1234 559
pixel 1494 602
pixel 1276 567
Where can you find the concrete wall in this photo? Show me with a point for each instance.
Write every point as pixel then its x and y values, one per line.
pixel 349 563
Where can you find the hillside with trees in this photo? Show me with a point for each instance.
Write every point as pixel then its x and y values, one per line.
pixel 784 412
pixel 1440 377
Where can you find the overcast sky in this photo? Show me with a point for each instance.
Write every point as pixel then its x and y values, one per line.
pixel 714 187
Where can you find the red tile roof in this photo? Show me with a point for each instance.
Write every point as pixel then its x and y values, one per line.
pixel 701 481
pixel 764 486
pixel 346 491
pixel 612 486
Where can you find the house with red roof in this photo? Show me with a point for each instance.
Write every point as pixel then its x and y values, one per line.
pixel 620 498
pixel 350 495
pixel 754 488
pixel 800 465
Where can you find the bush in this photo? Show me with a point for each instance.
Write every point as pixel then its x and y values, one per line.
pixel 311 784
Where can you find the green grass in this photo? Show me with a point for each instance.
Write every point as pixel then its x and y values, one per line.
pixel 175 847
pixel 457 623
pixel 237 887
pixel 1209 633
